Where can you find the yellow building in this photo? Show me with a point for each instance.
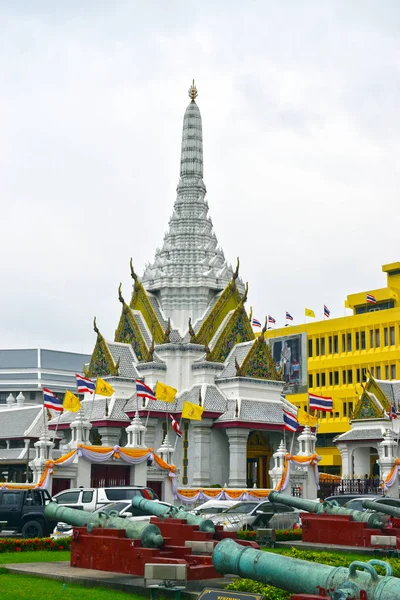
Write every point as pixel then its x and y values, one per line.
pixel 335 356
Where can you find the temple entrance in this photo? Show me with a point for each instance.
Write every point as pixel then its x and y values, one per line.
pixel 110 475
pixel 259 454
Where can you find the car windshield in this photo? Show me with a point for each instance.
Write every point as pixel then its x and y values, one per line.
pixel 244 508
pixel 107 508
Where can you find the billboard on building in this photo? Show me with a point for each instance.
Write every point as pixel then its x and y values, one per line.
pixel 290 355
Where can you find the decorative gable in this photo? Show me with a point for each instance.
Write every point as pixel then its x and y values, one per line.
pixel 372 403
pixel 259 362
pixel 128 332
pixel 141 302
pixel 101 363
pixel 238 329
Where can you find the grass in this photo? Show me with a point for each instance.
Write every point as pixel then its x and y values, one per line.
pixel 23 587
pixel 6 558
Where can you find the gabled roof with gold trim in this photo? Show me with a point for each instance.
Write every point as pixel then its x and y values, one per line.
pixel 141 302
pixel 128 332
pixel 102 362
pixel 229 300
pixel 259 362
pixel 375 400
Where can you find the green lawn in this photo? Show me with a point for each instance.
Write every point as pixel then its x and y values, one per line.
pixel 6 558
pixel 23 587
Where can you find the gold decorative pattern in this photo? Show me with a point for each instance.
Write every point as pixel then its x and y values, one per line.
pixel 101 363
pixel 229 300
pixel 141 302
pixel 193 93
pixel 366 407
pixel 128 332
pixel 236 330
pixel 259 362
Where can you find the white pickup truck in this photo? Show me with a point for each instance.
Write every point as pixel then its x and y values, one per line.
pixel 90 499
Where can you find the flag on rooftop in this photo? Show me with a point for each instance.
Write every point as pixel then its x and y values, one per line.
pixel 192 411
pixel 309 313
pixel 288 316
pixel 71 402
pixel 323 403
pixel 327 312
pixel 144 391
pixel 175 426
pixel 290 422
pixel 371 299
pixel 50 400
pixel 103 388
pixel 271 319
pixel 84 384
pixel 164 392
pixel 256 323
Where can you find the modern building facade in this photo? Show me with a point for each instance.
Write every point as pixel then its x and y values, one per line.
pixel 336 357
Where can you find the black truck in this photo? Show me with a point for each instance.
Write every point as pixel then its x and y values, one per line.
pixel 24 512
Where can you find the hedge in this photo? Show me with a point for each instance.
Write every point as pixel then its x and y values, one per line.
pixel 24 545
pixel 281 535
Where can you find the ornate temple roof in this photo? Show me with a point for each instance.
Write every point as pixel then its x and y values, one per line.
pixel 189 256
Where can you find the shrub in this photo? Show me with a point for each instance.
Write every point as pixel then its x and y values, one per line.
pixel 285 535
pixel 255 587
pixel 25 545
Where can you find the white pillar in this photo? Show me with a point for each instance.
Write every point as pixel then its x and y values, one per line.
pixel 138 474
pixel 345 455
pixel 307 440
pixel 136 433
pixel 279 461
pixel 201 440
pixel 237 456
pixel 361 461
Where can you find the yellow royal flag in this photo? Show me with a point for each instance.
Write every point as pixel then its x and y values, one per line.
pixel 71 402
pixel 309 313
pixel 306 419
pixel 103 388
pixel 192 411
pixel 164 392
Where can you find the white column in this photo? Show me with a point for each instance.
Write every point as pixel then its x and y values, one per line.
pixel 361 461
pixel 237 456
pixel 150 434
pixel 345 456
pixel 279 461
pixel 109 436
pixel 200 437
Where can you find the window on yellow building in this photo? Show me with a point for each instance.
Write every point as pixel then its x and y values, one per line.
pixel 345 409
pixel 336 377
pixel 358 378
pixel 349 376
pixel 335 344
pixel 372 371
pixel 310 381
pixel 309 348
pixel 371 338
pixel 364 374
pixel 317 347
pixel 386 371
pixel 392 341
pixel 330 378
pixel 357 340
pixel 322 346
pixel 318 378
pixel 343 342
pixel 377 338
pixel 386 336
pixel 349 344
pixel 330 344
pixel 344 377
pixel 323 380
pixel 363 343
pixel 378 372
pixel 392 371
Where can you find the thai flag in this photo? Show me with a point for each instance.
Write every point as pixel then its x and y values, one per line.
pixel 50 400
pixel 271 319
pixel 290 422
pixel 175 426
pixel 392 414
pixel 288 316
pixel 323 403
pixel 371 299
pixel 256 323
pixel 84 384
pixel 327 312
pixel 144 391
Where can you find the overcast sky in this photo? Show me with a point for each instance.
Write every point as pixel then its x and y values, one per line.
pixel 300 108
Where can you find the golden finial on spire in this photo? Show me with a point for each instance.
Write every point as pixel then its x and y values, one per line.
pixel 193 92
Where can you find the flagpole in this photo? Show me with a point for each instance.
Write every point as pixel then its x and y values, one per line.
pixel 292 444
pixel 94 396
pixel 177 436
pixel 55 432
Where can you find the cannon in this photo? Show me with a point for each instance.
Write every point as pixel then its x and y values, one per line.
pixel 161 510
pixel 149 535
pixel 359 581
pixel 329 508
pixel 386 509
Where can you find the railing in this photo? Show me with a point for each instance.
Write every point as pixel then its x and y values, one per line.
pixel 350 485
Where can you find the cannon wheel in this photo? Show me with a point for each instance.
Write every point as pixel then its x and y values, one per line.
pixel 32 529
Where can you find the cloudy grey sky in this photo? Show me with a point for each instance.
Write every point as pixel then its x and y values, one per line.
pixel 301 138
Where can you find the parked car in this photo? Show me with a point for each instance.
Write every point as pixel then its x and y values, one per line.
pixel 212 507
pixel 356 503
pixel 24 512
pixel 90 499
pixel 342 499
pixel 253 515
pixel 124 509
